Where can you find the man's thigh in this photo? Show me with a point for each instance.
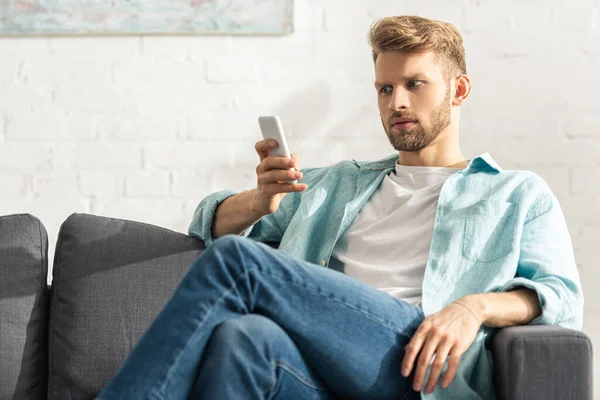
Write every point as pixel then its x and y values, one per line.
pixel 351 334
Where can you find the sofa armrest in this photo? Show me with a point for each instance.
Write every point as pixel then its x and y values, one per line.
pixel 537 362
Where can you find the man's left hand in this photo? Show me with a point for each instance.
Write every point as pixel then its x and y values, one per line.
pixel 448 332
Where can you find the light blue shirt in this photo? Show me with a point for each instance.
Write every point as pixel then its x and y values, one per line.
pixel 494 230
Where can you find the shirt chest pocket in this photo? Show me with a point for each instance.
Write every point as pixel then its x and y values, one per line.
pixel 489 231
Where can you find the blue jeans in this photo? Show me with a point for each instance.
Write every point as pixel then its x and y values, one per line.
pixel 250 322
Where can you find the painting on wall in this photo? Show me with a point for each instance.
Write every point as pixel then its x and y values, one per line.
pixel 119 17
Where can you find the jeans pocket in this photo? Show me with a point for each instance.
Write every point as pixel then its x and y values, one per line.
pixel 489 231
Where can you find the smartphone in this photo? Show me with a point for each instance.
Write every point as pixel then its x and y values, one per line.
pixel 271 128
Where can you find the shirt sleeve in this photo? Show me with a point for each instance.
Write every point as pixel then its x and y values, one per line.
pixel 547 265
pixel 201 225
pixel 269 229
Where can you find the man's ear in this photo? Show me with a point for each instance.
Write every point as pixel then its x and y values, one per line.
pixel 462 86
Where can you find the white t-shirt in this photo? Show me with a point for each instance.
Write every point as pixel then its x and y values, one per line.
pixel 387 245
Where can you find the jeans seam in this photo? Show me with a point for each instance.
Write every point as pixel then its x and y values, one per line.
pixel 299 376
pixel 152 396
pixel 274 380
pixel 295 374
pixel 247 272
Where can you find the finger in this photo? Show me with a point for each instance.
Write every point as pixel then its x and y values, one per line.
pixel 277 188
pixel 277 175
pixel 296 159
pixel 438 364
pixel 262 146
pixel 411 350
pixel 271 163
pixel 450 373
pixel 423 362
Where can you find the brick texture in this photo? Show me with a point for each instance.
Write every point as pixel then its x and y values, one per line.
pixel 144 127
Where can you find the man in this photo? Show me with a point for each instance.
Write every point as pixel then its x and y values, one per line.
pixel 425 254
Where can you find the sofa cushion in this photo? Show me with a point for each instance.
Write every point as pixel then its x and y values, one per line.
pixel 23 307
pixel 111 278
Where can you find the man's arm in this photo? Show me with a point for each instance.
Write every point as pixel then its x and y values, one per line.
pixel 236 214
pixel 449 332
pixel 547 265
pixel 228 212
pixel 517 307
pixel 545 291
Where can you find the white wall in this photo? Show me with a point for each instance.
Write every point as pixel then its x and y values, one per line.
pixel 144 127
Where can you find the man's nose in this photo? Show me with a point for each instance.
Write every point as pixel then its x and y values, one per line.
pixel 399 100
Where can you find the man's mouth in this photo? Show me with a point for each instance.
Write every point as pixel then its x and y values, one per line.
pixel 401 124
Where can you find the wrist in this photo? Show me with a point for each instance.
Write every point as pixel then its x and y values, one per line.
pixel 479 304
pixel 257 213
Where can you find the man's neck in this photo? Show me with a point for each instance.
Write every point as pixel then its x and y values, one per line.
pixel 448 160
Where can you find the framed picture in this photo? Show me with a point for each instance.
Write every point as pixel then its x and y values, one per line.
pixel 145 17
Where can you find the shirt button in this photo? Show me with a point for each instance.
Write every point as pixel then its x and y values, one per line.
pixel 323 263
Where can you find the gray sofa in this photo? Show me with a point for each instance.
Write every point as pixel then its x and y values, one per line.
pixel 111 277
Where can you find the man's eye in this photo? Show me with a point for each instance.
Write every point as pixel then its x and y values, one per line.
pixel 414 84
pixel 384 90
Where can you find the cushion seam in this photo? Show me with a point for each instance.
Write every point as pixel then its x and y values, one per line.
pixel 54 295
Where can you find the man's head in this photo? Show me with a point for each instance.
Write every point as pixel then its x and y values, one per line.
pixel 420 74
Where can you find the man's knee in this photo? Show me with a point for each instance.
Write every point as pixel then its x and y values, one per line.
pixel 229 253
pixel 229 242
pixel 250 332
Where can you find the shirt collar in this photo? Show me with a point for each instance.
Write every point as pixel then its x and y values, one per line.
pixel 479 162
pixel 483 161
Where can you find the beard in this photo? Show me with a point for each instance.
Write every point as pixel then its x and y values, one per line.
pixel 419 136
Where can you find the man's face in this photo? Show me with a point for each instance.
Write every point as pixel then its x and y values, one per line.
pixel 413 98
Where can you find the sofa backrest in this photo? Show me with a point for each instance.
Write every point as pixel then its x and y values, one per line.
pixel 23 307
pixel 110 279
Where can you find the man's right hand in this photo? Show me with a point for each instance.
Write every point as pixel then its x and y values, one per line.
pixel 271 174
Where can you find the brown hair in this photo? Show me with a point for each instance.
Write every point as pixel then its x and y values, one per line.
pixel 415 35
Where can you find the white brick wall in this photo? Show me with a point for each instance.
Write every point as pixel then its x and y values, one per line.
pixel 144 127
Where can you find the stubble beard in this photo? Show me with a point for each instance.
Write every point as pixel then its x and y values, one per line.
pixel 419 136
